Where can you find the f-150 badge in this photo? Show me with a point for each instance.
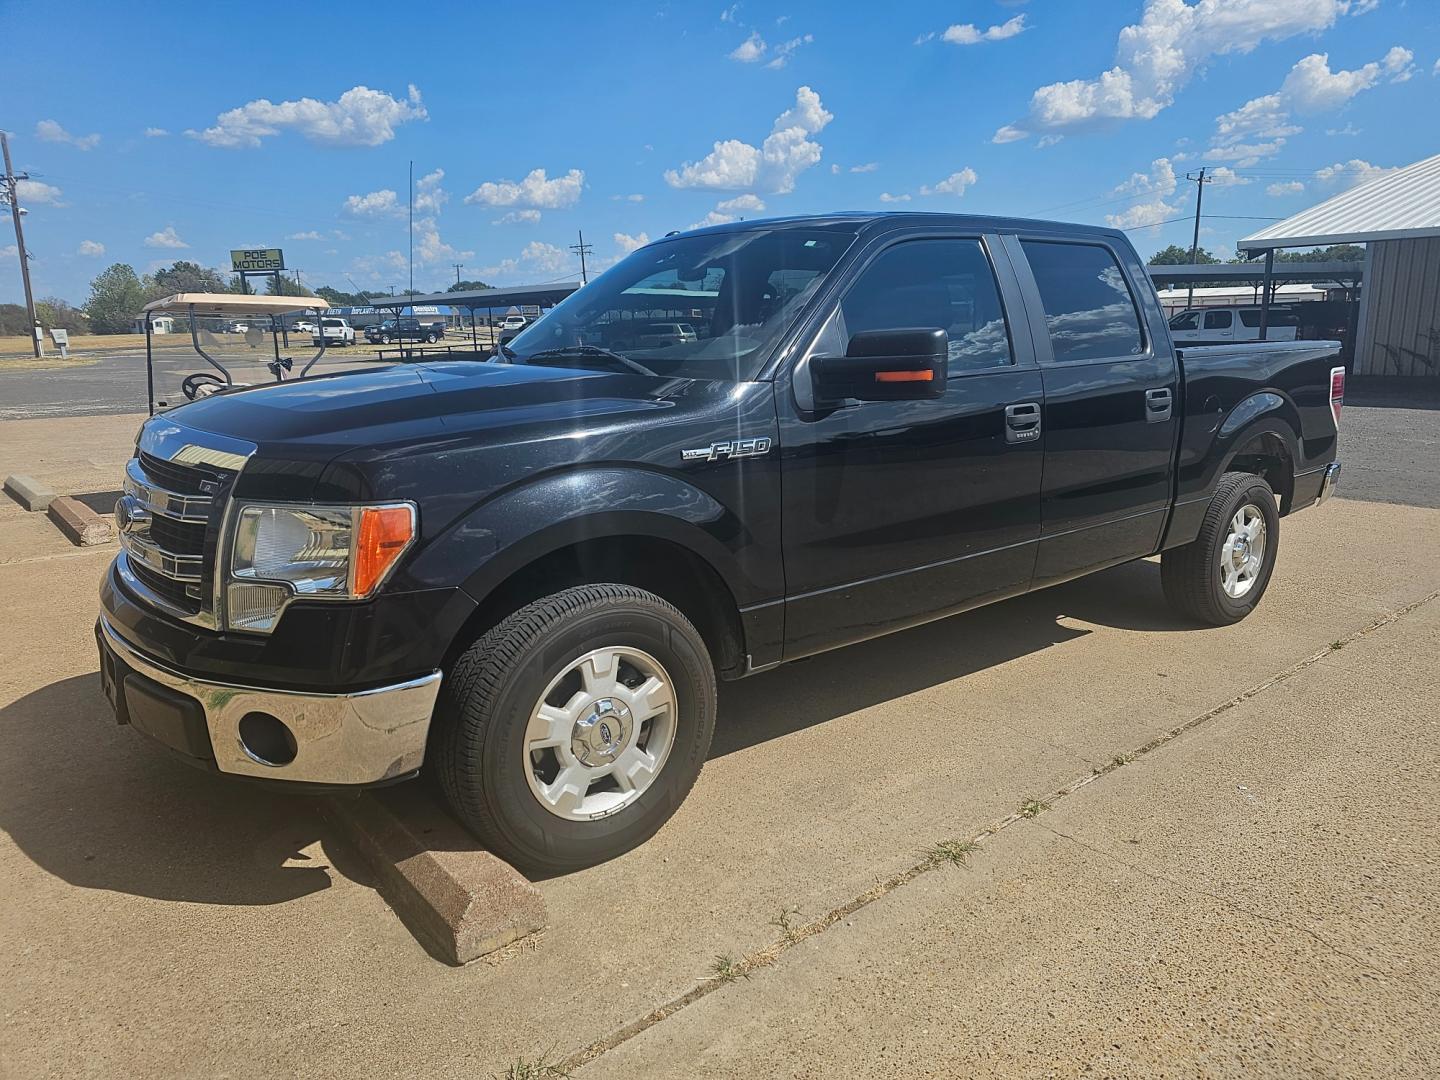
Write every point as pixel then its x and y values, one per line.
pixel 736 448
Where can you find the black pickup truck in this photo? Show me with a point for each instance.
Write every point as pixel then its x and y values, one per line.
pixel 527 574
pixel 403 330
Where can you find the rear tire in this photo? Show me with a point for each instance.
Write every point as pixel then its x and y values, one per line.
pixel 570 732
pixel 1220 576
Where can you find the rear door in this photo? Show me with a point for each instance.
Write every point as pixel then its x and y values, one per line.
pixel 1218 327
pixel 899 511
pixel 1111 402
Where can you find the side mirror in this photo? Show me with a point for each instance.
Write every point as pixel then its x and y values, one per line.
pixel 885 365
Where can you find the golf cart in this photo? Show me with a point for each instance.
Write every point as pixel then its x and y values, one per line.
pixel 225 310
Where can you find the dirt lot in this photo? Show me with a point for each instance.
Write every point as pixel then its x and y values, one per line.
pixel 1229 868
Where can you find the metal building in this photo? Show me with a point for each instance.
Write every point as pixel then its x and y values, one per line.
pixel 1397 218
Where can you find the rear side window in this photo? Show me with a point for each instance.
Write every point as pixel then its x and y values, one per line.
pixel 934 283
pixel 1218 320
pixel 1088 307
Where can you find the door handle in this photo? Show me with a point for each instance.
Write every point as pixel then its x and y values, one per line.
pixel 1022 422
pixel 1157 405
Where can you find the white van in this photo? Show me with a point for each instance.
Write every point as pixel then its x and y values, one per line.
pixel 1222 325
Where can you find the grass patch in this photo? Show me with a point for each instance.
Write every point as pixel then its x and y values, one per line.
pixel 1122 759
pixel 725 968
pixel 1336 646
pixel 786 922
pixel 1033 808
pixel 954 852
pixel 541 1068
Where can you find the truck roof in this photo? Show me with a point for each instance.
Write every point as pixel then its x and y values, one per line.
pixel 865 219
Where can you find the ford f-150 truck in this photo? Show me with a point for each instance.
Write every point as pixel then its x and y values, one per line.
pixel 525 575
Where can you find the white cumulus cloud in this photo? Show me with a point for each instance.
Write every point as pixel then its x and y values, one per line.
pixel 536 190
pixel 886 197
pixel 1157 57
pixel 50 131
pixel 1143 214
pixel 1351 173
pixel 33 192
pixel 536 259
pixel 1260 127
pixel 155 133
pixel 954 184
pixel 970 34
pixel 781 56
pixel 91 247
pixel 741 203
pixel 358 117
pixel 518 217
pixel 627 243
pixel 773 166
pixel 165 238
pixel 1285 187
pixel 311 235
pixel 750 50
pixel 382 203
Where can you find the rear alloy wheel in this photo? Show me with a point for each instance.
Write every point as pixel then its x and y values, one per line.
pixel 1221 575
pixel 570 732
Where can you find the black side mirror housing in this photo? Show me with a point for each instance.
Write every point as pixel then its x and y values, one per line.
pixel 908 364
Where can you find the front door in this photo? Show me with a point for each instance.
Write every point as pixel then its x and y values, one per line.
pixel 900 511
pixel 1111 405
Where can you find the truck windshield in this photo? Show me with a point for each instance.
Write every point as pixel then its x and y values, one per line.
pixel 703 306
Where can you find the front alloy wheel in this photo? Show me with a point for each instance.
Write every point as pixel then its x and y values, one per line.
pixel 572 730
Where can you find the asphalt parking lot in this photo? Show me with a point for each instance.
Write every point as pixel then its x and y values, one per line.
pixel 1230 870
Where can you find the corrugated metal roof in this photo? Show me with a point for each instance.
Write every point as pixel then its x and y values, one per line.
pixel 1394 207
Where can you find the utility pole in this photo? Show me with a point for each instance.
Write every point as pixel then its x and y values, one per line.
pixel 458 267
pixel 412 229
pixel 1200 180
pixel 12 192
pixel 582 249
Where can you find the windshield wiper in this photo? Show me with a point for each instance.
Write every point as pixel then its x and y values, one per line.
pixel 577 351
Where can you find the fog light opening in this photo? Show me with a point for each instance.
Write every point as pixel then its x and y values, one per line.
pixel 266 740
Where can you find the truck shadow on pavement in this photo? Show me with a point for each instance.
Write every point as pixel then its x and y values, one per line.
pixel 103 808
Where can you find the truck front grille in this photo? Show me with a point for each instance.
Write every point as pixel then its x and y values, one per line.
pixel 169 524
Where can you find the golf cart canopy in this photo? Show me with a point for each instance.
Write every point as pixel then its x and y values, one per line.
pixel 232 304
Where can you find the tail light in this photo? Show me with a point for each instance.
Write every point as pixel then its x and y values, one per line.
pixel 1337 393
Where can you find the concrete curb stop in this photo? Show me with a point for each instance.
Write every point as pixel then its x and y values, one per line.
pixel 459 901
pixel 28 492
pixel 81 524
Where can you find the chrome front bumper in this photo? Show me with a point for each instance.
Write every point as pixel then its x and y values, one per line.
pixel 359 738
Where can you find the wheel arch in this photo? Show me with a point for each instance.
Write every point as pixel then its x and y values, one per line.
pixel 1261 435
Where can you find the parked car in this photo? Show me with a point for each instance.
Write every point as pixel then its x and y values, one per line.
pixel 655 335
pixel 403 330
pixel 526 576
pixel 304 326
pixel 514 322
pixel 1223 325
pixel 336 332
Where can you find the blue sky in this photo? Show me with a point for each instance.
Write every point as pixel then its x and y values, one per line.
pixel 156 133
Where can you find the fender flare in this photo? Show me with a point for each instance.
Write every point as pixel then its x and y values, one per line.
pixel 1263 422
pixel 501 536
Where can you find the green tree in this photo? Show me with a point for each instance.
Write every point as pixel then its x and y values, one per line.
pixel 184 276
pixel 1175 255
pixel 468 286
pixel 56 314
pixel 116 297
pixel 283 286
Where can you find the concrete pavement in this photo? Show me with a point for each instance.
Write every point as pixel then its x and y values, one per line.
pixel 159 923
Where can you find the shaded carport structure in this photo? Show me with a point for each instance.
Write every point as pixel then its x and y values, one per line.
pixel 488 300
pixel 1397 218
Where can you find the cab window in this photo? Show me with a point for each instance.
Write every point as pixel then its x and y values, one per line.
pixel 1088 307
pixel 1186 320
pixel 933 283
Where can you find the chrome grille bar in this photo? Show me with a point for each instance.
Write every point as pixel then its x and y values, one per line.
pixel 191 508
pixel 186 568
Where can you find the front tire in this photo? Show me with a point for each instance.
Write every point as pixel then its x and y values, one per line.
pixel 570 732
pixel 1220 576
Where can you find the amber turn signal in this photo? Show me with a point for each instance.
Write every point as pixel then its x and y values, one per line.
pixel 385 532
pixel 923 375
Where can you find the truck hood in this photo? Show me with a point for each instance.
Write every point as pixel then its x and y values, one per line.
pixel 380 409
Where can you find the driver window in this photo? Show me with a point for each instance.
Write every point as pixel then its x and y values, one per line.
pixel 929 283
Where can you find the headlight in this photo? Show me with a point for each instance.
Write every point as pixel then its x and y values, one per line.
pixel 316 552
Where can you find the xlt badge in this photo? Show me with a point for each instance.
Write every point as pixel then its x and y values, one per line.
pixel 736 448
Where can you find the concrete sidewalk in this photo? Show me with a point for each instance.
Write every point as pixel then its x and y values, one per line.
pixel 1255 898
